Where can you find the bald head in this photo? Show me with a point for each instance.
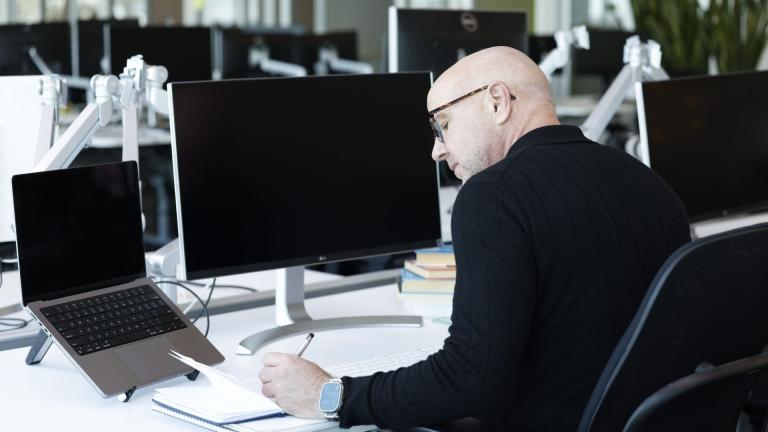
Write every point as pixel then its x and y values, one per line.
pixel 479 130
pixel 521 75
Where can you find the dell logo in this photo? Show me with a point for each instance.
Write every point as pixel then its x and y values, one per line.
pixel 322 258
pixel 469 21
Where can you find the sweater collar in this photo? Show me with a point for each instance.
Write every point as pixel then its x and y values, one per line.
pixel 554 134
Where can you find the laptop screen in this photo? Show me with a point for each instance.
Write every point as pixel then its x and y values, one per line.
pixel 78 230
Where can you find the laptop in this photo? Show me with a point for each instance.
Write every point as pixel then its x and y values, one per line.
pixel 83 277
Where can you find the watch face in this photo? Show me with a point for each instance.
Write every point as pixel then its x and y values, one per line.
pixel 330 397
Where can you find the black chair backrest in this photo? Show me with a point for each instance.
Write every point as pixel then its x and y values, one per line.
pixel 707 304
pixel 710 400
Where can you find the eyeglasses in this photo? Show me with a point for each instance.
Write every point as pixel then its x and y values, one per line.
pixel 437 130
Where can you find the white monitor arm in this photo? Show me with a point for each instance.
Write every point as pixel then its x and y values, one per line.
pixel 642 62
pixel 328 60
pixel 53 91
pixel 137 82
pixel 559 57
pixel 258 55
pixel 71 81
pixel 140 82
pixel 79 133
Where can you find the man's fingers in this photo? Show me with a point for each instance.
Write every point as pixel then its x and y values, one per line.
pixel 266 374
pixel 273 358
pixel 268 390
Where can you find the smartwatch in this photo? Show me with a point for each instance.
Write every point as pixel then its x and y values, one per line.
pixel 331 397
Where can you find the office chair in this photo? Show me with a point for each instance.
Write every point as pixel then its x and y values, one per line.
pixel 707 400
pixel 706 305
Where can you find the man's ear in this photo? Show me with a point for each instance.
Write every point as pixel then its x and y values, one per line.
pixel 500 100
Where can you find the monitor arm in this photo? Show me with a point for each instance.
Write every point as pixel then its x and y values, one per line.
pixel 140 82
pixel 137 82
pixel 328 60
pixel 39 62
pixel 642 62
pixel 559 57
pixel 259 56
pixel 79 133
pixel 53 90
pixel 71 81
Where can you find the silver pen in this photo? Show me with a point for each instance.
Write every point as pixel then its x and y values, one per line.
pixel 305 344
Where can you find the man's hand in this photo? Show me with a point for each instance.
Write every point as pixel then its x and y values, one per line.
pixel 293 383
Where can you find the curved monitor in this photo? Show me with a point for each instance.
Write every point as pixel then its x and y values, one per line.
pixel 281 172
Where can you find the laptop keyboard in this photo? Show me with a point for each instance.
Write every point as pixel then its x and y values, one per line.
pixel 109 320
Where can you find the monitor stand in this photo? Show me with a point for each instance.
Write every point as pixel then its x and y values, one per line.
pixel 292 317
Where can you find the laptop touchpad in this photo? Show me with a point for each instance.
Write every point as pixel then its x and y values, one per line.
pixel 149 359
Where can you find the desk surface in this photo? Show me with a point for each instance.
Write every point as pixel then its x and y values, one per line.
pixel 53 395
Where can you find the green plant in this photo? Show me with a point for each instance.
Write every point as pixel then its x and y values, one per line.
pixel 733 31
pixel 738 33
pixel 680 27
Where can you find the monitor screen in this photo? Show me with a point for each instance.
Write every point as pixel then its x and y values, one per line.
pixel 184 51
pixel 91 37
pixel 708 138
pixel 12 61
pixel 234 51
pixel 433 40
pixel 279 172
pixel 51 40
pixel 78 229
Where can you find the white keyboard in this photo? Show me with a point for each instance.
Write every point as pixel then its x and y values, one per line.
pixel 382 364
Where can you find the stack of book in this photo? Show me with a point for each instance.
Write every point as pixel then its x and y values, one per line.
pixel 427 282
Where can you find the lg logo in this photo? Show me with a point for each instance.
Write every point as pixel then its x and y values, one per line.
pixel 469 21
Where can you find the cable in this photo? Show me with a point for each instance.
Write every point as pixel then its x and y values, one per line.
pixel 241 287
pixel 204 304
pixel 210 294
pixel 13 323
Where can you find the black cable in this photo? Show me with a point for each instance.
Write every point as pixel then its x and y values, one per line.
pixel 208 300
pixel 203 304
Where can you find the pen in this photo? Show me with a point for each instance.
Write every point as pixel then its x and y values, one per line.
pixel 305 344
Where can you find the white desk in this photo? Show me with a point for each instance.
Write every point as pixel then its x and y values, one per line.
pixel 53 395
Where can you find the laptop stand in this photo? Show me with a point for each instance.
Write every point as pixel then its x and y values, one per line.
pixel 43 342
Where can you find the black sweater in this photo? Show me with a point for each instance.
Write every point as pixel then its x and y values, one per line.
pixel 555 247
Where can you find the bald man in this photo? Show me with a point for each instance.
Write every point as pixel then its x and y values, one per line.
pixel 557 239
